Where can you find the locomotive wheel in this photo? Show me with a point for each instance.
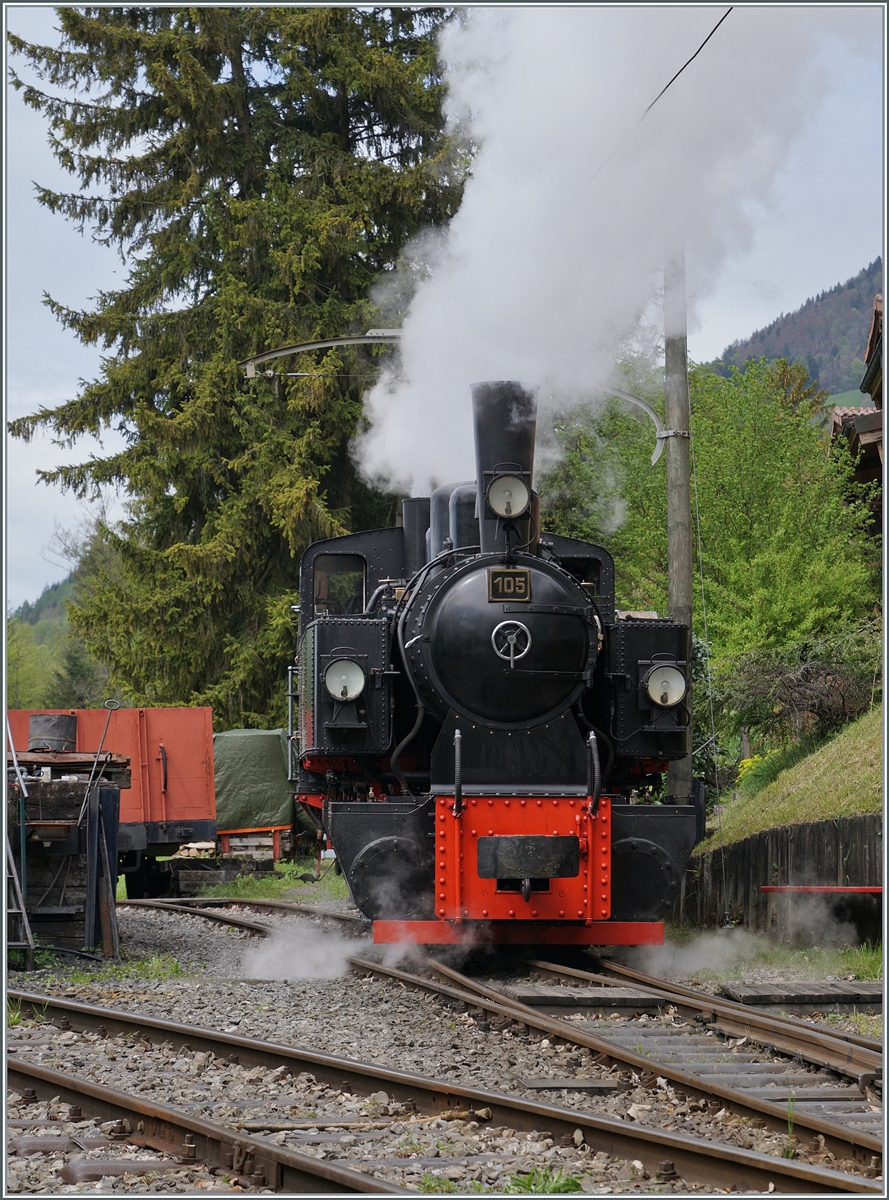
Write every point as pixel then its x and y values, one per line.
pixel 391 879
pixel 644 880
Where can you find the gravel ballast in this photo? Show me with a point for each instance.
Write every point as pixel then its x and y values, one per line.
pixel 294 988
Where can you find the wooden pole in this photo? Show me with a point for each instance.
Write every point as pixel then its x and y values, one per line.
pixel 679 540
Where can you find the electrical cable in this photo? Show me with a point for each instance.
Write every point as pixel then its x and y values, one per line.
pixel 629 134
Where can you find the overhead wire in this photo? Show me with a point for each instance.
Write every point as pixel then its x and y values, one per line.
pixel 630 132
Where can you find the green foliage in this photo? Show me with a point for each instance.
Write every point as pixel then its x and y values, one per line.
pixel 756 773
pixel 783 530
pixel 156 966
pixel 285 884
pixel 827 335
pixel 807 689
pixel 542 1183
pixel 50 666
pixel 28 666
pixel 79 681
pixel 50 604
pixel 431 1184
pixel 865 961
pixel 258 169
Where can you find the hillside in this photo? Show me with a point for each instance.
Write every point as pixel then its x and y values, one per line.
pixel 50 604
pixel 841 779
pixel 828 334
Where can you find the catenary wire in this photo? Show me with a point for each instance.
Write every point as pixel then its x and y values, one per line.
pixel 630 132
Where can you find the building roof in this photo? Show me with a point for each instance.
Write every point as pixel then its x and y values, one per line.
pixel 876 328
pixel 843 415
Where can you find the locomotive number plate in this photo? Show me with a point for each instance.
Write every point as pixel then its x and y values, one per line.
pixel 508 583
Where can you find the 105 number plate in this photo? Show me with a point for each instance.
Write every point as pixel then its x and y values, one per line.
pixel 508 584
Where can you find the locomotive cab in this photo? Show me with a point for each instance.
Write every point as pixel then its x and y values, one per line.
pixel 473 716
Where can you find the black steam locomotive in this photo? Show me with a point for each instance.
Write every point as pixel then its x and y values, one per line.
pixel 473 717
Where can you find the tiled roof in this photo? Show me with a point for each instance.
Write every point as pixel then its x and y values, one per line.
pixel 876 328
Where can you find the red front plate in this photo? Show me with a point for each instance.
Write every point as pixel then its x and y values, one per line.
pixel 460 894
pixel 519 933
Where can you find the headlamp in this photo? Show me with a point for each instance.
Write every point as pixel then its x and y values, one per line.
pixel 508 496
pixel 665 686
pixel 344 679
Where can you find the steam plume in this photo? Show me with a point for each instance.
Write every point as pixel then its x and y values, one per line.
pixel 548 264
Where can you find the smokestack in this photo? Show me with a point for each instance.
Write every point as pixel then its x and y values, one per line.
pixel 415 519
pixel 505 425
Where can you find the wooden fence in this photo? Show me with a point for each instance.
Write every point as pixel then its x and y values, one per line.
pixel 846 851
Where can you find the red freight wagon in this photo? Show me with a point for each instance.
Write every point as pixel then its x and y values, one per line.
pixel 171 799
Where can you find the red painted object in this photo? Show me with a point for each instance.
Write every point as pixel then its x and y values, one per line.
pixel 171 763
pixel 873 891
pixel 520 933
pixel 462 895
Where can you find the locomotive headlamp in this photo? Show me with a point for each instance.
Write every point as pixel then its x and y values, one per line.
pixel 344 679
pixel 508 496
pixel 665 686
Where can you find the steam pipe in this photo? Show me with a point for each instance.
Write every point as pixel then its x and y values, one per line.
pixel 458 772
pixel 594 779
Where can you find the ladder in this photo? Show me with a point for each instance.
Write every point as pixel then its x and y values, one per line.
pixel 20 936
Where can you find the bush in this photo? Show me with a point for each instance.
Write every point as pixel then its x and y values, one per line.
pixel 805 691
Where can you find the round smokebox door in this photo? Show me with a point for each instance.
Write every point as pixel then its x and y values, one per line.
pixel 391 880
pixel 644 880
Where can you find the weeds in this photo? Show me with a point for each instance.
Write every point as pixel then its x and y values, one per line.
pixel 864 962
pixel 13 1013
pixel 436 1183
pixel 789 1151
pixel 542 1183
pixel 158 966
pixel 285 883
pixel 864 1024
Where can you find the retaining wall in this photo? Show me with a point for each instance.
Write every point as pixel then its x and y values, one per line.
pixel 848 850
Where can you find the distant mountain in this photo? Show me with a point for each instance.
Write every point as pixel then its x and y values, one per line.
pixel 50 604
pixel 828 334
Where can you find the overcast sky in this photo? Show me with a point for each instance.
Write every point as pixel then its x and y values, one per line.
pixel 824 223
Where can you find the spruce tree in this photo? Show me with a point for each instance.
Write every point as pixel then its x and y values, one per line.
pixel 257 169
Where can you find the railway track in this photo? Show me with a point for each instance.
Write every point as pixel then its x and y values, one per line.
pixel 658 1153
pixel 779 1071
pixel 194 1137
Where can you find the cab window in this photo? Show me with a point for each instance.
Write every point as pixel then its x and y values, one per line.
pixel 587 572
pixel 339 585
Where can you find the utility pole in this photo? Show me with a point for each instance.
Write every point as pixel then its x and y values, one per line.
pixel 679 543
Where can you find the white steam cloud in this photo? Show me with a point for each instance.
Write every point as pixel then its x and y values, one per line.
pixel 300 953
pixel 573 207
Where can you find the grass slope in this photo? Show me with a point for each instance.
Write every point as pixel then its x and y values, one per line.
pixel 841 779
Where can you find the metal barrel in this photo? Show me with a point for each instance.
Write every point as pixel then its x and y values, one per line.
pixel 52 731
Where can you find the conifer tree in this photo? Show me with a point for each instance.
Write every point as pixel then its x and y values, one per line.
pixel 257 169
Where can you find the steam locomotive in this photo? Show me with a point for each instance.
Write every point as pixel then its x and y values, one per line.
pixel 470 717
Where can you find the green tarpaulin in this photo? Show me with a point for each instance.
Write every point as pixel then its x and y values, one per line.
pixel 252 790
